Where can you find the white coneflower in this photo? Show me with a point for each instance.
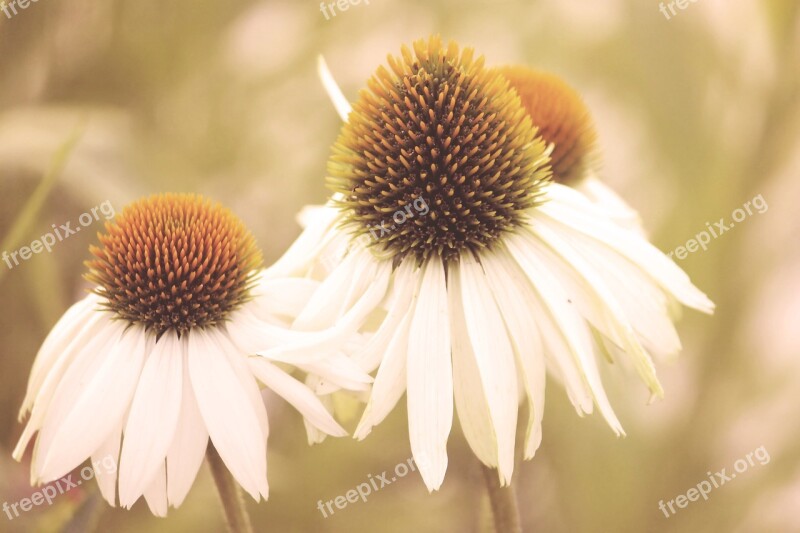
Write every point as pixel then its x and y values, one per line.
pixel 154 363
pixel 503 273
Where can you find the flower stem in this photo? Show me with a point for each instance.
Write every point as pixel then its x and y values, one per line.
pixel 230 494
pixel 505 510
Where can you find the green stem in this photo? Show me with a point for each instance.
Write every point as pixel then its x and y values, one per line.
pixel 27 216
pixel 505 509
pixel 230 494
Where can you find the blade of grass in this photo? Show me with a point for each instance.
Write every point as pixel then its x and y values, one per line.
pixel 26 218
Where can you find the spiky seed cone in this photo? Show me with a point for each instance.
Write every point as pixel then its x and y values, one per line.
pixel 562 118
pixel 437 126
pixel 174 261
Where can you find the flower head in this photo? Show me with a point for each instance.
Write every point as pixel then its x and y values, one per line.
pixel 154 363
pixel 439 126
pixel 174 262
pixel 562 118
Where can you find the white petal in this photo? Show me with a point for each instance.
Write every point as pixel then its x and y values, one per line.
pixel 297 394
pixel 307 246
pixel 315 436
pixel 97 327
pixel 156 493
pixel 336 369
pixel 403 288
pixel 390 382
pixel 571 211
pixel 80 372
pixel 470 396
pixel 494 357
pixel 308 214
pixel 234 422
pixel 610 318
pixel 188 448
pixel 100 405
pixel 645 304
pixel 567 324
pixel 152 419
pixel 359 281
pixel 105 461
pixel 249 383
pixel 615 207
pixel 294 348
pixel 558 357
pixel 326 323
pixel 514 296
pixel 430 377
pixel 252 333
pixel 54 346
pixel 283 296
pixel 334 92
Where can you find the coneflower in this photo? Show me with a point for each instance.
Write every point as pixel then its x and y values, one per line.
pixel 511 270
pixel 154 363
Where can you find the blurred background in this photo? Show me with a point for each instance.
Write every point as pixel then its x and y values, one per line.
pixel 698 113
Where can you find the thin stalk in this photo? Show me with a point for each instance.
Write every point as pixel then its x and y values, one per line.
pixel 505 509
pixel 230 494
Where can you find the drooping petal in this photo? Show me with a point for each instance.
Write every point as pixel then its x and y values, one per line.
pixel 188 448
pixel 615 207
pixel 152 419
pixel 314 434
pixel 155 494
pixel 568 208
pixel 105 461
pixel 610 317
pixel 567 324
pixel 471 403
pixel 360 282
pixel 101 403
pixel 390 382
pixel 81 370
pixel 336 371
pixel 430 376
pixel 314 238
pixel 297 394
pixel 645 304
pixel 54 346
pixel 514 296
pixel 234 422
pixel 283 296
pixel 559 358
pixel 494 358
pixel 94 330
pixel 403 288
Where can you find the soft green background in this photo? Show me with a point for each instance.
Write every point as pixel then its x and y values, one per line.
pixel 697 115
